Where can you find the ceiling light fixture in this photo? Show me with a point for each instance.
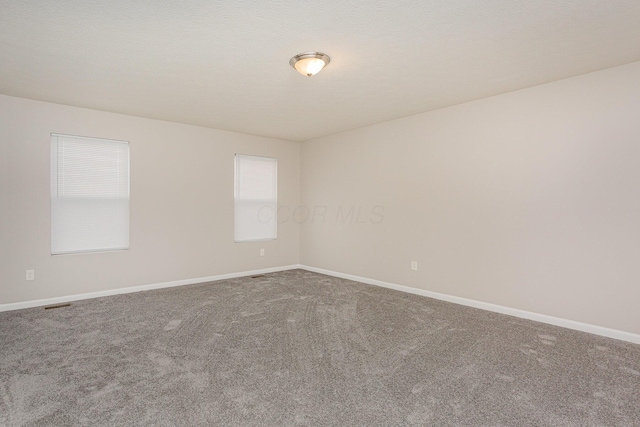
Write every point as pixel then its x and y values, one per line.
pixel 310 63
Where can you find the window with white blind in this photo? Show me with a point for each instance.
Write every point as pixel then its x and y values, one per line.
pixel 89 194
pixel 256 198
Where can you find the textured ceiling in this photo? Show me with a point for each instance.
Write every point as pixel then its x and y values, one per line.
pixel 226 64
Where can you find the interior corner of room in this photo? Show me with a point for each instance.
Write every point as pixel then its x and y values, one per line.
pixel 524 201
pixel 473 153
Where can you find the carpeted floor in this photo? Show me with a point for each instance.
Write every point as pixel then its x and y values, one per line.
pixel 299 348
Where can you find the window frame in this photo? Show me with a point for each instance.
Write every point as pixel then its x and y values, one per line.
pixel 236 198
pixel 54 152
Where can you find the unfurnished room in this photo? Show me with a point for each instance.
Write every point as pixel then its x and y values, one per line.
pixel 335 213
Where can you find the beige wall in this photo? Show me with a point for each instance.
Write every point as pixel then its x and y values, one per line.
pixel 181 203
pixel 529 200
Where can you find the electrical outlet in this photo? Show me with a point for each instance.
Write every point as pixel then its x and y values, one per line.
pixel 414 265
pixel 31 275
pixel 261 252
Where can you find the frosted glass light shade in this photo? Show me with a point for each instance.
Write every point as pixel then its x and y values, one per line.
pixel 309 66
pixel 309 63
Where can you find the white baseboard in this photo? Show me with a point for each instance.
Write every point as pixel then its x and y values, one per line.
pixel 70 298
pixel 557 321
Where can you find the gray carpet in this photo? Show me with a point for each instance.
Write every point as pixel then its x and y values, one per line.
pixel 299 348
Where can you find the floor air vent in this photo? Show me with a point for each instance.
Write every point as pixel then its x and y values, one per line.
pixel 51 307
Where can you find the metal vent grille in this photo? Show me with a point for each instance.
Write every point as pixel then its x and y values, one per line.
pixel 51 307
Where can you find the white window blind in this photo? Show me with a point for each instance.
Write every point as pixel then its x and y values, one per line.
pixel 89 194
pixel 256 198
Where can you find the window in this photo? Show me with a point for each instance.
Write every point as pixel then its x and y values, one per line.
pixel 89 194
pixel 256 198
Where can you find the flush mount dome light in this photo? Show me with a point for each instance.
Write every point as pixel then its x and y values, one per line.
pixel 309 63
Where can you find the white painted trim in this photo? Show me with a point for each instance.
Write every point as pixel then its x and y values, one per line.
pixel 69 298
pixel 557 321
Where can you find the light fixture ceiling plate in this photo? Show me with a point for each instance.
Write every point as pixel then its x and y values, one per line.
pixel 308 55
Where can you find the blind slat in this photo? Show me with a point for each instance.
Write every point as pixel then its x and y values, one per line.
pixel 256 198
pixel 89 194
